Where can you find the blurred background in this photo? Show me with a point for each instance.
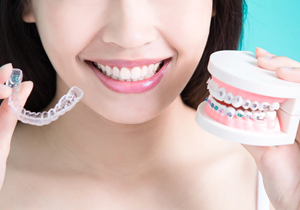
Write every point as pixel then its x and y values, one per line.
pixel 273 25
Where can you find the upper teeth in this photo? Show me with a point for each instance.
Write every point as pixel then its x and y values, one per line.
pixel 237 101
pixel 123 73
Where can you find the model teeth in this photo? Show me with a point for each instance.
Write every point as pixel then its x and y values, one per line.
pixel 237 101
pixel 259 111
pixel 254 105
pixel 221 94
pixel 239 113
pixel 124 74
pixel 246 104
pixel 230 112
pixel 248 115
pixel 228 98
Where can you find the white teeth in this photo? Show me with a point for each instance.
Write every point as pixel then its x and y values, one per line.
pixel 151 69
pixel 254 105
pixel 103 68
pixel 221 94
pixel 215 87
pixel 246 104
pixel 228 98
pixel 135 73
pixel 274 106
pixel 98 65
pixel 248 115
pixel 222 110
pixel 259 116
pixel 149 74
pixel 208 80
pixel 271 115
pixel 230 112
pixel 264 106
pixel 239 113
pixel 116 72
pixel 144 71
pixel 124 74
pixel 108 71
pixel 210 84
pixel 213 103
pixel 237 101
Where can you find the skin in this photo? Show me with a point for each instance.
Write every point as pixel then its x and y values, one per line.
pixel 101 157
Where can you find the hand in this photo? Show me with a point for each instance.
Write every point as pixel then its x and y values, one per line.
pixel 280 166
pixel 7 120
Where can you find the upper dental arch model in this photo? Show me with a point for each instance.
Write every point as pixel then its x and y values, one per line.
pixel 248 104
pixel 66 103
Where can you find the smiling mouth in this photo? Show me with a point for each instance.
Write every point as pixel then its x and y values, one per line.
pixel 133 74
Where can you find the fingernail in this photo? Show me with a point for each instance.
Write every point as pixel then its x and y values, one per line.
pixel 261 49
pixel 8 64
pixel 266 58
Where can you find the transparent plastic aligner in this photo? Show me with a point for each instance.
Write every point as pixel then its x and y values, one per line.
pixel 66 103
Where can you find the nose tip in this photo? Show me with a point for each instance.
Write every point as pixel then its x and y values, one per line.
pixel 129 37
pixel 129 28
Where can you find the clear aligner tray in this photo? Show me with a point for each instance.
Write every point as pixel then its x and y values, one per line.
pixel 66 103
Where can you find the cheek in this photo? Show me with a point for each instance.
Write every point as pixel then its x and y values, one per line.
pixel 186 25
pixel 186 28
pixel 62 29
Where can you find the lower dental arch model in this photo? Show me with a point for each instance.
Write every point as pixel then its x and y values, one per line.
pixel 248 104
pixel 66 103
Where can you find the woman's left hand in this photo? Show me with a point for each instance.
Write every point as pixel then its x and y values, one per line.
pixel 280 166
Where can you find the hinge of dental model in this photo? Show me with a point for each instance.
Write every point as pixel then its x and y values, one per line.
pixel 66 103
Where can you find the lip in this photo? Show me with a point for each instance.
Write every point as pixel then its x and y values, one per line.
pixel 130 87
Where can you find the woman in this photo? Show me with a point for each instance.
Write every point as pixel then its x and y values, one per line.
pixel 128 144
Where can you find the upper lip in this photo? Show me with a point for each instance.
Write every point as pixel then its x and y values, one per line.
pixel 129 63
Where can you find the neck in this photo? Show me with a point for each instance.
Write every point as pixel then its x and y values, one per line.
pixel 86 139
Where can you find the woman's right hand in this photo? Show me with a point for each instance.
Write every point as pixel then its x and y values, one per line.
pixel 7 119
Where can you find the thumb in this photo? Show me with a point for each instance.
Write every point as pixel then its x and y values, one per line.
pixel 8 120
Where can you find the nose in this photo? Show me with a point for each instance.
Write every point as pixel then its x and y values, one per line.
pixel 130 25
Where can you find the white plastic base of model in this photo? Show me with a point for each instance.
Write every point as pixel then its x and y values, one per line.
pixel 239 69
pixel 244 136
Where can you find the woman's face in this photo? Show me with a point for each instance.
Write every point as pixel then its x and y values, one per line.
pixel 124 34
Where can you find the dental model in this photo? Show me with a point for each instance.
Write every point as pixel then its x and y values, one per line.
pixel 66 103
pixel 248 104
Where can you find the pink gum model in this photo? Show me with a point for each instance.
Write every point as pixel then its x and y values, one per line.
pixel 248 104
pixel 265 125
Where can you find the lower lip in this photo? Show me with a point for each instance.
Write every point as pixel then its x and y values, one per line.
pixel 131 87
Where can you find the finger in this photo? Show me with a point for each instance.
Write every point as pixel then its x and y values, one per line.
pixel 5 91
pixel 273 63
pixel 8 120
pixel 5 72
pixel 288 74
pixel 262 53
